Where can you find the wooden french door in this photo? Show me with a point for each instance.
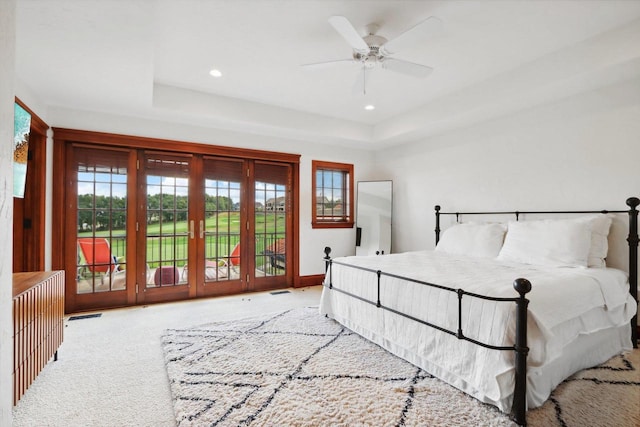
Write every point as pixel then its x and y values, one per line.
pixel 165 248
pixel 244 229
pixel 223 241
pixel 197 242
pixel 272 223
pixel 100 217
pixel 156 226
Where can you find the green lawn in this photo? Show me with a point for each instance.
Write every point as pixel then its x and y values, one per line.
pixel 171 239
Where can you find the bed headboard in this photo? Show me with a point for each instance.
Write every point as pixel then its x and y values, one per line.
pixel 632 240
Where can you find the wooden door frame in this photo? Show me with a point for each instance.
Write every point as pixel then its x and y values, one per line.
pixel 146 294
pixel 73 300
pixel 221 287
pixel 29 212
pixel 272 282
pixel 63 137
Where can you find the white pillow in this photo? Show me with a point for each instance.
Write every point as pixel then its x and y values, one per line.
pixel 473 239
pixel 599 225
pixel 555 243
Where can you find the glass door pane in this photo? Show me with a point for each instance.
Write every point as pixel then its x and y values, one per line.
pixel 101 206
pixel 221 226
pixel 167 228
pixel 272 221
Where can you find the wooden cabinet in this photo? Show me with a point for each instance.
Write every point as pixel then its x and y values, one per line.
pixel 38 311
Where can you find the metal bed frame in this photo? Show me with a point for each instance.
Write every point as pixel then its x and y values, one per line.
pixel 521 285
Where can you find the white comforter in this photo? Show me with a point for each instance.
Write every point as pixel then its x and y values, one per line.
pixel 565 303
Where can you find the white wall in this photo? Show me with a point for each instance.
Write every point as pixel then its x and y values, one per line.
pixel 7 67
pixel 580 153
pixel 312 241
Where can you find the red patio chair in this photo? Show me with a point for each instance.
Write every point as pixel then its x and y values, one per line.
pixel 97 254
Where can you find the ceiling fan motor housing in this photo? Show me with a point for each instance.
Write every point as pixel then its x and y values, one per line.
pixel 373 56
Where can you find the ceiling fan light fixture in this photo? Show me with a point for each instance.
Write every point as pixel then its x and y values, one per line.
pixel 215 73
pixel 373 49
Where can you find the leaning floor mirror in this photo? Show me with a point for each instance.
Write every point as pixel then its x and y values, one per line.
pixel 373 217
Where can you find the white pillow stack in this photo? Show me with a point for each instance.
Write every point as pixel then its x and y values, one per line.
pixel 482 240
pixel 579 242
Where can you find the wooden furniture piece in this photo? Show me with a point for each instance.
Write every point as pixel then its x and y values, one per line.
pixel 38 311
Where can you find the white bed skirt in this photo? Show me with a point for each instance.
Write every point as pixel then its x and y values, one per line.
pixel 593 349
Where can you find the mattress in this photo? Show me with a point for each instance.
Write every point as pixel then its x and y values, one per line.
pixel 569 307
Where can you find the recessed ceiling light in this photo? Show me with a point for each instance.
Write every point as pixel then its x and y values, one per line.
pixel 369 107
pixel 215 73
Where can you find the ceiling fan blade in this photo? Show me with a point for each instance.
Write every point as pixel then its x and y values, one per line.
pixel 326 64
pixel 406 67
pixel 413 36
pixel 346 30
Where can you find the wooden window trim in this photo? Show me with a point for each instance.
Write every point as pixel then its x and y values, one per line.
pixel 349 221
pixel 128 141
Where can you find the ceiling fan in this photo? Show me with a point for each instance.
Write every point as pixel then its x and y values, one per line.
pixel 372 49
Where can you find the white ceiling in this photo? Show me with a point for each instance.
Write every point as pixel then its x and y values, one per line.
pixel 151 58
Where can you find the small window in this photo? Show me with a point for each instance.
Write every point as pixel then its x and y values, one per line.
pixel 332 195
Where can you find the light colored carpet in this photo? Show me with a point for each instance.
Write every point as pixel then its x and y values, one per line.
pixel 298 368
pixel 111 372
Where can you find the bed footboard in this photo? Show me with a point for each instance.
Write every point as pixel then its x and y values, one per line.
pixel 520 347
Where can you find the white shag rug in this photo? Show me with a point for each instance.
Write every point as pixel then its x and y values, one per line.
pixel 298 368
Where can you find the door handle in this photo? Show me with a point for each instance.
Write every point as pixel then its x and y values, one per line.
pixel 191 230
pixel 201 229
